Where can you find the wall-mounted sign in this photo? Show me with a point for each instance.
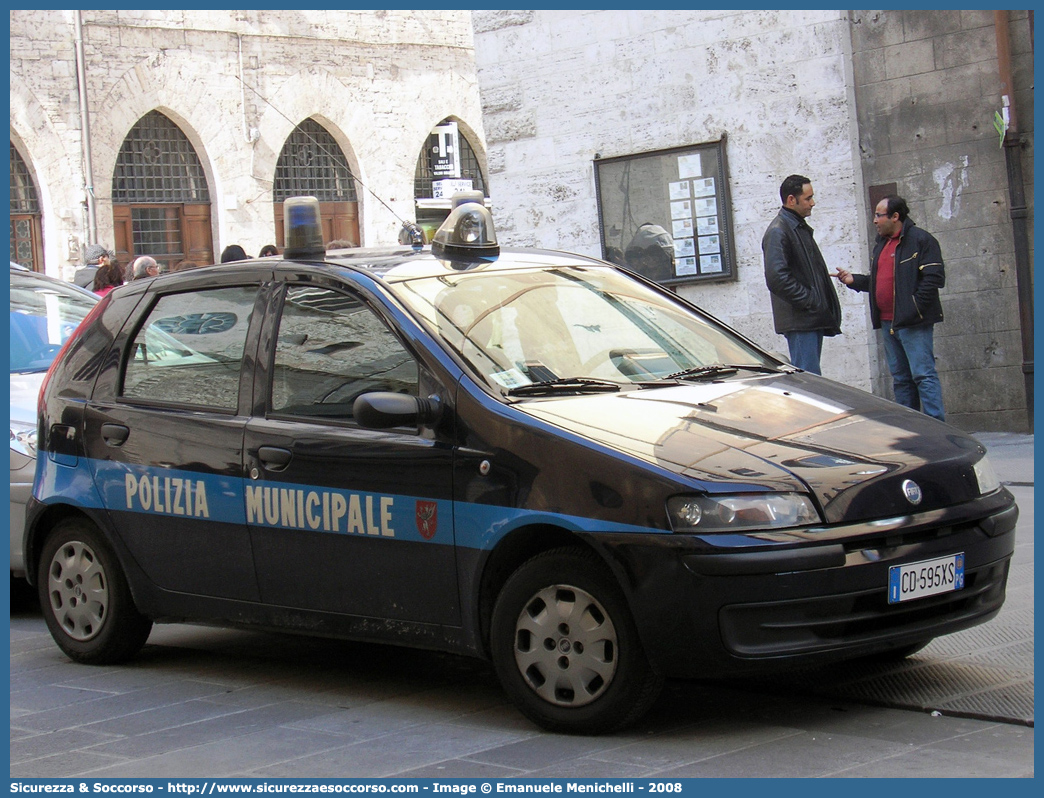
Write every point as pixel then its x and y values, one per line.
pixel 667 214
pixel 444 150
pixel 447 187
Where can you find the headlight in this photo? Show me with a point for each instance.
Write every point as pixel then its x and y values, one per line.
pixel 23 438
pixel 986 476
pixel 740 512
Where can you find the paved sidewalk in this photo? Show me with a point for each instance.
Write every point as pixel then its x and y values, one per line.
pixel 203 702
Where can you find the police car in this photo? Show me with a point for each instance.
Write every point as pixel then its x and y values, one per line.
pixel 529 456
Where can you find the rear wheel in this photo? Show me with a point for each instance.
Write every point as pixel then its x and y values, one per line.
pixel 565 647
pixel 85 598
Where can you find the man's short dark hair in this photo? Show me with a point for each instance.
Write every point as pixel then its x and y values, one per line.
pixel 793 186
pixel 898 205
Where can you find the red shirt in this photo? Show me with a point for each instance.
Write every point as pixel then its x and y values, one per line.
pixel 885 287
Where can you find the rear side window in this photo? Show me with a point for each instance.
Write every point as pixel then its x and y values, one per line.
pixel 190 349
pixel 331 349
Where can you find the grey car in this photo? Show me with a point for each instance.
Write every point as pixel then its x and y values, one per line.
pixel 44 313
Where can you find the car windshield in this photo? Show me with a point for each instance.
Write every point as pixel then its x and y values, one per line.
pixel 44 314
pixel 524 327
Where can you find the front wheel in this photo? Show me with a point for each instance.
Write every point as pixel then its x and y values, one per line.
pixel 85 598
pixel 565 647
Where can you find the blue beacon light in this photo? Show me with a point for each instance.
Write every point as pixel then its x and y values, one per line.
pixel 302 228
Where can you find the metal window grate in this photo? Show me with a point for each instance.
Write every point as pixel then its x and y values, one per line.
pixel 157 231
pixel 157 163
pixel 469 168
pixel 23 191
pixel 313 165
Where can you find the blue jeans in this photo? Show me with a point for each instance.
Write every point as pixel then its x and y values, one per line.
pixel 911 359
pixel 805 348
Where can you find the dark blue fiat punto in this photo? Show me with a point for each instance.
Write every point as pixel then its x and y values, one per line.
pixel 529 456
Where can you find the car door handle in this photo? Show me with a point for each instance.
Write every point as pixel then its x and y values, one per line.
pixel 274 458
pixel 115 434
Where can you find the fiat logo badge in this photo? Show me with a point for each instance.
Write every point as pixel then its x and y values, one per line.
pixel 912 492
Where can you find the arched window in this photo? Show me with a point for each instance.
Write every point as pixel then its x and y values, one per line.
pixel 25 215
pixel 447 164
pixel 160 198
pixel 312 164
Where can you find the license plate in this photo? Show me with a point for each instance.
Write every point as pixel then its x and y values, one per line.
pixel 928 578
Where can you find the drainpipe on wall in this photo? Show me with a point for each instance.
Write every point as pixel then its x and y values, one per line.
pixel 1013 143
pixel 85 135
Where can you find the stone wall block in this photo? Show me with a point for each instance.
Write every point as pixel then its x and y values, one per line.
pixel 997 388
pixel 876 29
pixel 915 133
pixel 927 24
pixel 985 311
pixel 510 127
pixel 966 47
pixel 136 38
pixel 972 274
pixel 496 100
pixel 969 120
pixel 947 86
pixel 487 21
pixel 910 58
pixel 974 18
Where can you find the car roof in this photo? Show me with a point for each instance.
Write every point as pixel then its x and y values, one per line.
pixel 27 275
pixel 387 264
pixel 395 264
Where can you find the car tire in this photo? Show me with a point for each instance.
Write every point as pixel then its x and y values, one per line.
pixel 85 598
pixel 565 647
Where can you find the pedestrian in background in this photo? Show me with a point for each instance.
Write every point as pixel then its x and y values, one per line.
pixel 107 277
pixel 143 267
pixel 341 243
pixel 651 252
pixel 906 273
pixel 267 251
pixel 805 307
pixel 184 265
pixel 232 253
pixel 94 258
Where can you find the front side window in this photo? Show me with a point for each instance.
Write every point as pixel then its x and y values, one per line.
pixel 332 348
pixel 190 349
pixel 518 327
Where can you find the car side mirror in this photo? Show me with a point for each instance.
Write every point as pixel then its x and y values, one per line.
pixel 384 410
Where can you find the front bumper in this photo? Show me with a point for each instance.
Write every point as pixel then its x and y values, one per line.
pixel 755 604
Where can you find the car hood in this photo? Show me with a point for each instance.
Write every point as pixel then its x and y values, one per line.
pixel 786 432
pixel 25 389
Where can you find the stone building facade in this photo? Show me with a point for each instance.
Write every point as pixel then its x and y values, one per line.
pixel 927 87
pixel 237 85
pixel 854 100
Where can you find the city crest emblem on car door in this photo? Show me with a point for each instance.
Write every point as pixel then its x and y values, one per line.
pixel 427 519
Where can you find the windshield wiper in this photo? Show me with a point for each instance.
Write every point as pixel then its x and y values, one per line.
pixel 719 369
pixel 565 385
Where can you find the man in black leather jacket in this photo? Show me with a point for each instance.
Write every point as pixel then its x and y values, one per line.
pixel 805 307
pixel 906 273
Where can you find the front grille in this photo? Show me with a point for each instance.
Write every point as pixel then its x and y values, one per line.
pixel 805 626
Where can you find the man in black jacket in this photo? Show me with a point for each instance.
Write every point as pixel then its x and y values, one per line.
pixel 906 273
pixel 805 307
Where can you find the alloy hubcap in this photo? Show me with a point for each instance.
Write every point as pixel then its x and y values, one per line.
pixel 78 591
pixel 566 646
